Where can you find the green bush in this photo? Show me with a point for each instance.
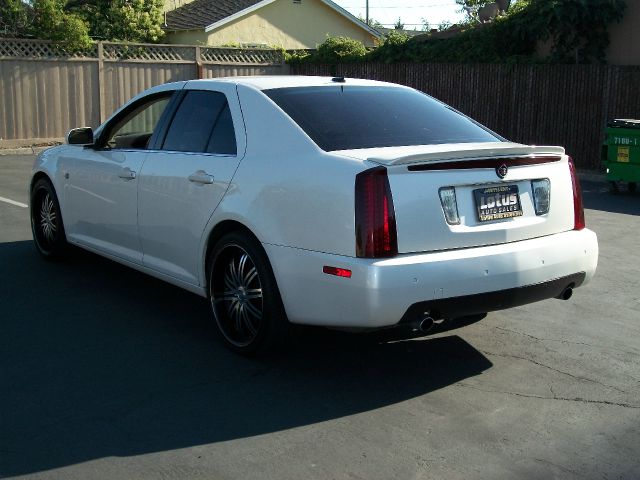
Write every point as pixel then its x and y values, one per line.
pixel 393 49
pixel 340 49
pixel 577 31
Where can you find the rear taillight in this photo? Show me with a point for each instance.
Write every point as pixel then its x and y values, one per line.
pixel 376 234
pixel 578 209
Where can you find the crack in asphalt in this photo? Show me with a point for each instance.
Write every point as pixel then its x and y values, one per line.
pixel 541 397
pixel 569 342
pixel 577 377
pixel 561 467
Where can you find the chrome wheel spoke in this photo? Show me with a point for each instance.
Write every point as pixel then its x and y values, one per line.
pixel 251 274
pixel 48 217
pixel 237 316
pixel 254 296
pixel 228 282
pixel 225 297
pixel 247 322
pixel 241 265
pixel 233 272
pixel 253 310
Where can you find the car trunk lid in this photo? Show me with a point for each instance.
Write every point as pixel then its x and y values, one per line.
pixel 474 172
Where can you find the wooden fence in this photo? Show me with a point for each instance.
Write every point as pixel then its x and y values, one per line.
pixel 566 105
pixel 45 92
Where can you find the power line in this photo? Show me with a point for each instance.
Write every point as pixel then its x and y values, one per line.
pixel 407 6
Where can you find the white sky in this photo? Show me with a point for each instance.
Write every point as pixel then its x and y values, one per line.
pixel 410 11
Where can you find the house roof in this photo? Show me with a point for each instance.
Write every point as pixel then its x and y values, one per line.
pixel 202 13
pixel 211 14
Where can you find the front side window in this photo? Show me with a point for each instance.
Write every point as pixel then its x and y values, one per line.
pixel 202 123
pixel 346 117
pixel 136 127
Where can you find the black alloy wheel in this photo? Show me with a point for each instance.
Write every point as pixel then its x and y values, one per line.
pixel 244 297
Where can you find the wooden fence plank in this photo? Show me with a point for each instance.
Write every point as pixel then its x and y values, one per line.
pixel 44 92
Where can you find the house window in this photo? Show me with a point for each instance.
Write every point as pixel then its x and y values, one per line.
pixel 297 2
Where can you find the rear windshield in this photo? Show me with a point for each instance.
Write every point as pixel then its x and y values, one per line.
pixel 347 117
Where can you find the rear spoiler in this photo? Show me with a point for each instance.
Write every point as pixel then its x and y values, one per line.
pixel 461 151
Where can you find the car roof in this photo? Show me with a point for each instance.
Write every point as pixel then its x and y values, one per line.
pixel 283 81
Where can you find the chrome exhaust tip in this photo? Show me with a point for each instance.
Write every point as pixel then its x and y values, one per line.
pixel 424 323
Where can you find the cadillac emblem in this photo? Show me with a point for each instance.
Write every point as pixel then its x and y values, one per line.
pixel 502 171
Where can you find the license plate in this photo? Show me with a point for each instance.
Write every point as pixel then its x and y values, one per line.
pixel 495 203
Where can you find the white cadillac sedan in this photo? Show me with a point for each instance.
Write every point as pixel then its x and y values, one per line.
pixel 324 201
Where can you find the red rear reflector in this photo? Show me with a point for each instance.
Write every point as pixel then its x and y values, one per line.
pixel 376 234
pixel 338 272
pixel 578 209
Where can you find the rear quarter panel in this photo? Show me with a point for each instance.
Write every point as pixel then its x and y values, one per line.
pixel 287 191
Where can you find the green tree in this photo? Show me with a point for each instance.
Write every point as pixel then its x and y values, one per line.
pixel 373 23
pixel 399 25
pixel 124 20
pixel 15 18
pixel 51 22
pixel 472 7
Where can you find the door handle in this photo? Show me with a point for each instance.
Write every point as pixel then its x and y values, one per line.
pixel 201 177
pixel 127 173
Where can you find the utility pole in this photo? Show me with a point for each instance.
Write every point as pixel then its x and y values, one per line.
pixel 367 16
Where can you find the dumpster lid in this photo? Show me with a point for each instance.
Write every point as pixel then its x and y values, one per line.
pixel 624 123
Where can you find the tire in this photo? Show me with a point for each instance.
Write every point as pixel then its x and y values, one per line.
pixel 631 187
pixel 245 300
pixel 613 187
pixel 46 221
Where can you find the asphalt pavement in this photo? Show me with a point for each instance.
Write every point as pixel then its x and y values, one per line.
pixel 107 373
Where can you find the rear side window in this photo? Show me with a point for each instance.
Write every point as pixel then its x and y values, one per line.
pixel 349 117
pixel 202 123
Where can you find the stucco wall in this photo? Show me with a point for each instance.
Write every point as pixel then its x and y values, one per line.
pixel 281 23
pixel 624 48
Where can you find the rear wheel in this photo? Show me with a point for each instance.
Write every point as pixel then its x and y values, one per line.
pixel 613 187
pixel 631 187
pixel 46 221
pixel 245 300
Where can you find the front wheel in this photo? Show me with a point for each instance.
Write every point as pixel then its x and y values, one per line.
pixel 46 221
pixel 244 296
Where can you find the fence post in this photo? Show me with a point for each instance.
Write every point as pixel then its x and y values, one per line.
pixel 101 86
pixel 199 66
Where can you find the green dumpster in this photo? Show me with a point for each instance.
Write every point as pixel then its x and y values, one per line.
pixel 621 153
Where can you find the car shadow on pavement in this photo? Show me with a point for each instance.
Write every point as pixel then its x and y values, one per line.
pixel 596 196
pixel 98 360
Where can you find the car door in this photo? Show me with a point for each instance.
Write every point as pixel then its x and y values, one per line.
pixel 102 185
pixel 183 181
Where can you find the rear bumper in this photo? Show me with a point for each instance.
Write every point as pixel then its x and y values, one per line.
pixel 492 301
pixel 381 293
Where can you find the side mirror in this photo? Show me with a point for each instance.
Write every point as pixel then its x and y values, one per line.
pixel 80 136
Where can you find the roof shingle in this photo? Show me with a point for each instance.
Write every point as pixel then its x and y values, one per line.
pixel 202 13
